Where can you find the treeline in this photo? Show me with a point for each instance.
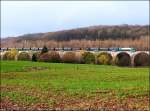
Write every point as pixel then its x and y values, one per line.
pixel 92 33
pixel 141 43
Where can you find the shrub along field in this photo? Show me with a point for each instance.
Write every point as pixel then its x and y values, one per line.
pixel 84 57
pixel 27 85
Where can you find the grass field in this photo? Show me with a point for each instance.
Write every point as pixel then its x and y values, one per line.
pixel 41 86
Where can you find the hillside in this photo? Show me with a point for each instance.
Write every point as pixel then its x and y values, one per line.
pixel 93 33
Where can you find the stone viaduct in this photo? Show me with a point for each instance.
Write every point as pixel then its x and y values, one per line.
pixel 114 54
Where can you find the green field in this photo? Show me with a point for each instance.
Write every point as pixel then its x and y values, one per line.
pixel 37 85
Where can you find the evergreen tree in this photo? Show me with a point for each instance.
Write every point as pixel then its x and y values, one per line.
pixel 44 50
pixel 34 57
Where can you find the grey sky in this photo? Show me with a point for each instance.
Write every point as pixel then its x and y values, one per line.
pixel 23 17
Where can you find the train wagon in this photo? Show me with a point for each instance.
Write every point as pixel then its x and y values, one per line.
pixel 73 49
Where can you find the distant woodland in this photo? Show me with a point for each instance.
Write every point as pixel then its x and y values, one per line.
pixel 136 36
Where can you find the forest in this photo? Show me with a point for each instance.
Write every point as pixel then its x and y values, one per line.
pixel 94 36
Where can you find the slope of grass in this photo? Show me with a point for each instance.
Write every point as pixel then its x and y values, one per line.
pixel 40 80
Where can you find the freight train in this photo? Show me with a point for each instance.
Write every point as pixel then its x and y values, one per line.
pixel 72 49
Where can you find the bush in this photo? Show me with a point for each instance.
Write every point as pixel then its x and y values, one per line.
pixel 142 59
pixel 1 56
pixel 7 56
pixel 24 56
pixel 45 57
pixel 88 58
pixel 54 56
pixel 104 58
pixel 123 59
pixel 14 53
pixel 69 57
pixel 10 55
pixel 44 50
pixel 78 57
pixel 35 56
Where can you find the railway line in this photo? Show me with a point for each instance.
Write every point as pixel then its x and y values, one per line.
pixel 72 49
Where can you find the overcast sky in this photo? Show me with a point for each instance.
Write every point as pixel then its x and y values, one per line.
pixel 21 17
